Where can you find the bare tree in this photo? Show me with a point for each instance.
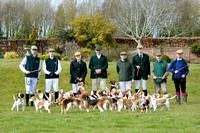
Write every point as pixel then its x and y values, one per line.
pixel 141 18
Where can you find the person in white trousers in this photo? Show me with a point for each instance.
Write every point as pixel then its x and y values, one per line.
pixel 30 65
pixel 52 69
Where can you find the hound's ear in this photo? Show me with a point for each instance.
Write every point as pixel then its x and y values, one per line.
pixel 110 81
pixel 22 95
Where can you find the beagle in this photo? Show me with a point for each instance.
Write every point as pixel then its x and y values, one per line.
pixel 113 84
pixel 40 94
pixel 40 104
pixel 19 102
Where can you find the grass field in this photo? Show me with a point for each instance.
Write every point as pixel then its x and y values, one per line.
pixel 178 119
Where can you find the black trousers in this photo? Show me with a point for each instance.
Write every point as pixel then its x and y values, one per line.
pixel 180 82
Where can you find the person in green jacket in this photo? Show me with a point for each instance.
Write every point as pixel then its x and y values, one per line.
pixel 30 66
pixel 124 71
pixel 140 69
pixel 98 65
pixel 159 73
pixel 78 71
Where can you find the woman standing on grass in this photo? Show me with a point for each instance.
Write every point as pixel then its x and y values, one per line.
pixel 180 70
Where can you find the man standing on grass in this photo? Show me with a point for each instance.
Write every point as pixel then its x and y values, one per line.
pixel 52 69
pixel 159 73
pixel 98 65
pixel 30 65
pixel 180 70
pixel 78 71
pixel 140 69
pixel 124 71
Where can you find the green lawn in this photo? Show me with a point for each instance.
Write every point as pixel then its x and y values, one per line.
pixel 178 119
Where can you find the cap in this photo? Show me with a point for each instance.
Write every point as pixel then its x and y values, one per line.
pixel 77 53
pixel 179 51
pixel 123 53
pixel 139 46
pixel 34 47
pixel 98 48
pixel 51 50
pixel 158 54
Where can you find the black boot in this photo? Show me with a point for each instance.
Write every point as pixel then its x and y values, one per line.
pixel 136 90
pixel 47 95
pixel 145 92
pixel 32 101
pixel 56 96
pixel 27 100
pixel 185 99
pixel 178 99
pixel 75 94
pixel 95 92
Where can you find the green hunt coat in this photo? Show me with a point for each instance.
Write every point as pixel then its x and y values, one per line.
pixel 96 63
pixel 144 64
pixel 124 70
pixel 77 70
pixel 160 69
pixel 31 65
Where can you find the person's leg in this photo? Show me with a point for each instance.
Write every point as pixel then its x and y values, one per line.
pixel 122 86
pixel 103 83
pixel 56 87
pixel 128 85
pixel 48 87
pixel 144 86
pixel 177 84
pixel 95 84
pixel 157 87
pixel 33 86
pixel 184 93
pixel 28 90
pixel 164 87
pixel 75 90
pixel 137 86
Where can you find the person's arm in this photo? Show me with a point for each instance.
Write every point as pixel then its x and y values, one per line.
pixel 45 68
pixel 72 71
pixel 91 65
pixel 170 69
pixel 105 65
pixel 166 71
pixel 117 68
pixel 152 71
pixel 85 72
pixel 133 68
pixel 148 66
pixel 187 70
pixel 22 65
pixel 59 68
pixel 39 72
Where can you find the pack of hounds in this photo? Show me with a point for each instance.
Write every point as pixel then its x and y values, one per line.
pixel 113 99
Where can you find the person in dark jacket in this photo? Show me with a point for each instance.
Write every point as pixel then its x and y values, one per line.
pixel 179 68
pixel 159 73
pixel 52 69
pixel 78 71
pixel 30 65
pixel 124 71
pixel 98 65
pixel 140 69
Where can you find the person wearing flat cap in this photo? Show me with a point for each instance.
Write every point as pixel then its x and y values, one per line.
pixel 98 65
pixel 30 65
pixel 179 69
pixel 78 71
pixel 52 69
pixel 140 69
pixel 125 72
pixel 159 73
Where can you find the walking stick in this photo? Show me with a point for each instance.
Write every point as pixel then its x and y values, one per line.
pixel 181 69
pixel 35 71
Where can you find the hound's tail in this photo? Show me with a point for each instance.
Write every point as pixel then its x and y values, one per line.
pixel 172 97
pixel 14 97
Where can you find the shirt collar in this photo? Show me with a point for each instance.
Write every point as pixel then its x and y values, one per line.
pixel 179 59
pixel 98 56
pixel 51 58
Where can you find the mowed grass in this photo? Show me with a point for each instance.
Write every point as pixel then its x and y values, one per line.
pixel 178 119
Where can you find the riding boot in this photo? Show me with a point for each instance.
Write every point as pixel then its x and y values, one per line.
pixel 95 92
pixel 32 101
pixel 56 96
pixel 178 99
pixel 27 100
pixel 185 99
pixel 136 90
pixel 47 95
pixel 145 92
pixel 75 94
